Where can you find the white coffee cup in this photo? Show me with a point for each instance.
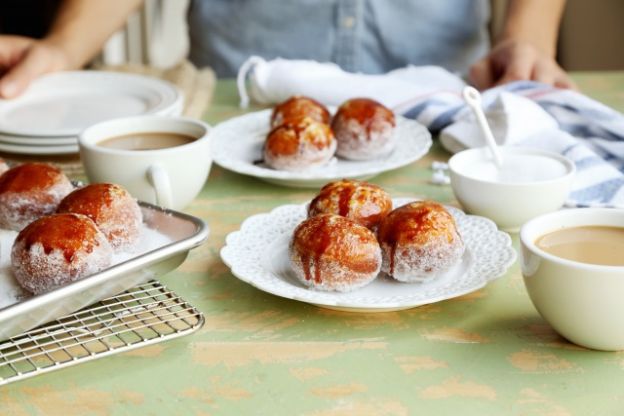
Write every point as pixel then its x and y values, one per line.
pixel 582 301
pixel 170 177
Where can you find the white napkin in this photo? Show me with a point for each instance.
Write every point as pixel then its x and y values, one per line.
pixel 275 81
pixel 511 117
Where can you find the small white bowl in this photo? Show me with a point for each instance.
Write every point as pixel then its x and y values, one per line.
pixel 520 193
pixel 582 302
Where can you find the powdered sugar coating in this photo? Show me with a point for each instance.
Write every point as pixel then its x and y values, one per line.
pixel 10 290
pixel 356 143
pixel 112 208
pixel 40 267
pixel 364 130
pixel 332 253
pixel 30 191
pixel 422 263
pixel 302 145
pixel 419 242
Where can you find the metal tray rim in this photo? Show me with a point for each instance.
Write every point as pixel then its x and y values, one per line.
pixel 198 237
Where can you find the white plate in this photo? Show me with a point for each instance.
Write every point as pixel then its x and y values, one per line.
pixel 64 103
pixel 258 254
pixel 38 150
pixel 238 142
pixel 38 141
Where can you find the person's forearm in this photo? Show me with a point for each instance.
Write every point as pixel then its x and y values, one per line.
pixel 83 26
pixel 534 21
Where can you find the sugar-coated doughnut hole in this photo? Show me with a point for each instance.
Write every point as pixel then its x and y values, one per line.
pixel 360 201
pixel 333 253
pixel 58 249
pixel 364 129
pixel 297 108
pixel 300 145
pixel 419 242
pixel 112 208
pixel 30 191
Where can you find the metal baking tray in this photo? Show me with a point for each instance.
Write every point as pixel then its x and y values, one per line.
pixel 185 231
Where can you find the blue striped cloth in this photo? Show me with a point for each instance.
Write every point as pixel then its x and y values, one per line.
pixel 591 134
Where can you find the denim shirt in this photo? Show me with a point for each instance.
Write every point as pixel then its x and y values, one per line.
pixel 369 36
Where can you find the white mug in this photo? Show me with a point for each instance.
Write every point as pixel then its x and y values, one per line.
pixel 582 301
pixel 170 177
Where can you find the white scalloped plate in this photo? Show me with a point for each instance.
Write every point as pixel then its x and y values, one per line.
pixel 237 144
pixel 258 254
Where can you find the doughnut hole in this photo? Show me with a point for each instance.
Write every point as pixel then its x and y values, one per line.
pixel 364 129
pixel 298 146
pixel 297 108
pixel 419 242
pixel 58 249
pixel 333 253
pixel 30 191
pixel 360 201
pixel 113 210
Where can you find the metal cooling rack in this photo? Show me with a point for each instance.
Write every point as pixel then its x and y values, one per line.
pixel 141 316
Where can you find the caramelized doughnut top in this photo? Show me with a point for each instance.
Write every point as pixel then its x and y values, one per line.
pixel 416 224
pixel 361 201
pixel 92 200
pixel 364 111
pixel 30 177
pixel 337 238
pixel 286 138
pixel 298 107
pixel 68 233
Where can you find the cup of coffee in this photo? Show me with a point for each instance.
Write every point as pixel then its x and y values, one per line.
pixel 158 159
pixel 573 269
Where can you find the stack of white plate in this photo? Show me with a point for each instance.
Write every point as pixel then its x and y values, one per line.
pixel 57 107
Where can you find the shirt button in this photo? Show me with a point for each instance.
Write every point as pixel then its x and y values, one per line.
pixel 348 22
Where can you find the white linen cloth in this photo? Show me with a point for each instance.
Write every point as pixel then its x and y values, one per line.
pixel 523 113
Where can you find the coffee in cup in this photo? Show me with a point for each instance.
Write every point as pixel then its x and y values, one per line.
pixel 600 245
pixel 147 141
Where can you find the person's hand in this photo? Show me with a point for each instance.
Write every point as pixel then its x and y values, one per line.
pixel 513 60
pixel 23 59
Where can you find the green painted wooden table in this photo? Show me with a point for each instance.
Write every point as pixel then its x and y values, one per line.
pixel 482 354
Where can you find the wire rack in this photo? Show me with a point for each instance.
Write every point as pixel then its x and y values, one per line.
pixel 141 316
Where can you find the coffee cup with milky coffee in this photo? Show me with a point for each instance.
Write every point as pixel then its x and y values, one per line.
pixel 573 269
pixel 158 159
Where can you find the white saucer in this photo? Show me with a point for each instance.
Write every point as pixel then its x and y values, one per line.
pixel 39 150
pixel 237 144
pixel 64 103
pixel 258 254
